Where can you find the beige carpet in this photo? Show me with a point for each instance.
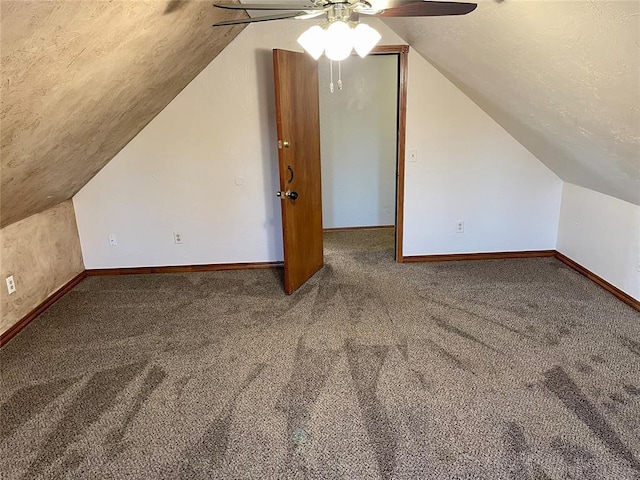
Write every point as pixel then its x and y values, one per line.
pixel 513 369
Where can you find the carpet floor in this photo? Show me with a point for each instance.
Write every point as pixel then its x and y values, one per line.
pixel 506 369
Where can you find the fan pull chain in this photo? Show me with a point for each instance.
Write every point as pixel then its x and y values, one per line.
pixel 339 76
pixel 331 84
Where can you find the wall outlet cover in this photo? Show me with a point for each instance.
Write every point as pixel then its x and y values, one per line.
pixel 11 284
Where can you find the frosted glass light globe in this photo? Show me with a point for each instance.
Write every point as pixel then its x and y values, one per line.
pixel 339 41
pixel 312 41
pixel 364 39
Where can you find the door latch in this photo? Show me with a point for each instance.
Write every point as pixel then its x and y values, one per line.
pixel 288 194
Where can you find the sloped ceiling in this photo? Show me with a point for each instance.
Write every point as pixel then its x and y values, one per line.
pixel 82 78
pixel 561 76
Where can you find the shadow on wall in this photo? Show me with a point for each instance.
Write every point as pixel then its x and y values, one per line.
pixel 269 148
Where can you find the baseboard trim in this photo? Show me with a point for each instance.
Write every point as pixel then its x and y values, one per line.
pixel 57 295
pixel 212 267
pixel 350 229
pixel 17 327
pixel 478 256
pixel 615 291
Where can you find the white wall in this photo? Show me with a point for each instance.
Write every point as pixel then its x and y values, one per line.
pixel 358 133
pixel 468 168
pixel 602 234
pixel 181 172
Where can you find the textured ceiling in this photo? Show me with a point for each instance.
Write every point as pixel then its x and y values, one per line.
pixel 561 76
pixel 82 78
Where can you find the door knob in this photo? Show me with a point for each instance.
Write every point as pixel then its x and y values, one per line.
pixel 287 194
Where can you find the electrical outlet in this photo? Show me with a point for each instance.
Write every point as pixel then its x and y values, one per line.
pixel 11 285
pixel 460 226
pixel 413 156
pixel 177 238
pixel 113 241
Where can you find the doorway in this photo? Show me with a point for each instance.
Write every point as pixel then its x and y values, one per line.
pixel 297 121
pixel 362 141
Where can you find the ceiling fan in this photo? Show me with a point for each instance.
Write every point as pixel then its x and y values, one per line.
pixel 342 31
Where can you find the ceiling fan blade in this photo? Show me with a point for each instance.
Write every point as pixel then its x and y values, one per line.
pixel 265 18
pixel 267 6
pixel 413 8
pixel 309 15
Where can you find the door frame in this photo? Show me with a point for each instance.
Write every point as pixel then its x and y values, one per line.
pixel 403 70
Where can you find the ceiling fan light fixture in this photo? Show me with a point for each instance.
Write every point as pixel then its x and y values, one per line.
pixel 339 41
pixel 364 39
pixel 313 41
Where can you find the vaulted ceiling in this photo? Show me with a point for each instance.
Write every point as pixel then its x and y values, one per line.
pixel 561 76
pixel 81 78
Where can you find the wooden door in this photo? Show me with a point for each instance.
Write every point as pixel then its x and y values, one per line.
pixel 298 122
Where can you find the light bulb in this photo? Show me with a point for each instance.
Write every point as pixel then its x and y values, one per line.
pixel 339 41
pixel 312 41
pixel 364 39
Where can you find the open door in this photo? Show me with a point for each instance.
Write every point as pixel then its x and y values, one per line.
pixel 298 121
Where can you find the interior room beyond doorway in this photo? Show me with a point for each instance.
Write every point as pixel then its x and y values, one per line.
pixel 358 133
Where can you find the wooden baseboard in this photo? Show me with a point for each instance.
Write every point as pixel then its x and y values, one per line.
pixel 615 291
pixel 212 267
pixel 57 295
pixel 479 256
pixel 349 229
pixel 16 328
